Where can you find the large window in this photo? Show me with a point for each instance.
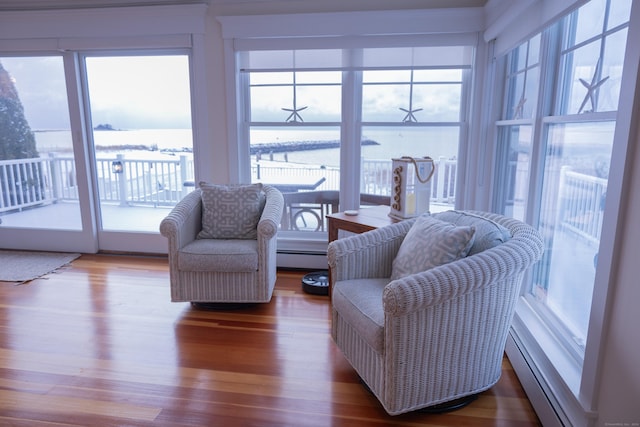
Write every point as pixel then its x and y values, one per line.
pixel 38 184
pixel 324 124
pixel 566 120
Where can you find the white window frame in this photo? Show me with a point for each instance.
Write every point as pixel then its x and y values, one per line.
pixel 562 388
pixel 341 30
pixel 350 125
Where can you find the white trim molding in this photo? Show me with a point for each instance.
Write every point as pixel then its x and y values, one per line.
pixel 429 21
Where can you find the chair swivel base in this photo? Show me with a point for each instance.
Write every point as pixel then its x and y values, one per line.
pixel 452 405
pixel 440 408
pixel 221 305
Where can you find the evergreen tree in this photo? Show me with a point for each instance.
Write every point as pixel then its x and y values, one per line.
pixel 16 138
pixel 17 141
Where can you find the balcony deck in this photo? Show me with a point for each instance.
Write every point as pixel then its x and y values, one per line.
pixel 66 216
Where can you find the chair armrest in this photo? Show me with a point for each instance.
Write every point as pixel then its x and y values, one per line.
pixel 437 285
pixel 184 222
pixel 271 214
pixel 366 255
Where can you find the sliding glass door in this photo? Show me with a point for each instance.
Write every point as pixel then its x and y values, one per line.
pixel 140 115
pixel 94 149
pixel 38 183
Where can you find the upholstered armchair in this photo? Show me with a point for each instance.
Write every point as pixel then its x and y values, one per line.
pixel 421 309
pixel 222 244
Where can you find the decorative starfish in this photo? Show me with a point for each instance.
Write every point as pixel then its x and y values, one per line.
pixel 409 117
pixel 294 116
pixel 519 109
pixel 591 89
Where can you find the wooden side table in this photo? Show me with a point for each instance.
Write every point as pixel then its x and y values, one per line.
pixel 367 219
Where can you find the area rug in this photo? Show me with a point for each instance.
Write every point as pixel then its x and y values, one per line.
pixel 24 266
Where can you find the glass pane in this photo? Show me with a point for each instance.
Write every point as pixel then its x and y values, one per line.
pixel 522 82
pixel 271 78
pixel 573 192
pixel 619 12
pixel 323 103
pixel 591 74
pixel 419 96
pixel 384 143
pixel 513 174
pixel 304 163
pixel 581 70
pixel 383 103
pixel 439 103
pixel 592 83
pixel 267 103
pixel 141 117
pixel 522 95
pixel 386 76
pixel 448 75
pixel 612 64
pixel 38 186
pixel 519 55
pixel 532 86
pixel 309 97
pixel 590 21
pixel 316 77
pixel 534 51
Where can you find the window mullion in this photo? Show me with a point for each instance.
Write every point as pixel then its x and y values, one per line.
pixel 549 58
pixel 351 134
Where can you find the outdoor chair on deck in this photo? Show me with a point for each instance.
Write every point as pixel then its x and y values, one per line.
pixel 421 309
pixel 306 210
pixel 222 244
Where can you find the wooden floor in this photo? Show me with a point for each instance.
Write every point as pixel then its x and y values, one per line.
pixel 99 344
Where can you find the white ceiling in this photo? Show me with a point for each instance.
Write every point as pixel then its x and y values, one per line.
pixel 70 4
pixel 7 5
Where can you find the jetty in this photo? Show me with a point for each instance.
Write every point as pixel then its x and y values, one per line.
pixel 288 146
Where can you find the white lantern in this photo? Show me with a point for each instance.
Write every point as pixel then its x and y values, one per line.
pixel 410 187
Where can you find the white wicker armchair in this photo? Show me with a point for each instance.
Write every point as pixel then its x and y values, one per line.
pixel 221 270
pixel 433 338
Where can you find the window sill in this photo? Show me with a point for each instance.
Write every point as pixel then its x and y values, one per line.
pixel 558 374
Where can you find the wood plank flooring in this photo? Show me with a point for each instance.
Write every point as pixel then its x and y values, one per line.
pixel 98 343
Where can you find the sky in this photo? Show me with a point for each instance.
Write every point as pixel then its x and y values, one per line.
pixel 134 92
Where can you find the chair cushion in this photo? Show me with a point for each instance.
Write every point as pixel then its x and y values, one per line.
pixel 230 255
pixel 359 302
pixel 430 243
pixel 488 233
pixel 231 211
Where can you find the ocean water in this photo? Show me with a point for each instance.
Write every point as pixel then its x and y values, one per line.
pixel 392 142
pixel 109 143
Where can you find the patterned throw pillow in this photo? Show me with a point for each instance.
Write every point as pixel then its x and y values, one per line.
pixel 231 211
pixel 430 243
pixel 488 233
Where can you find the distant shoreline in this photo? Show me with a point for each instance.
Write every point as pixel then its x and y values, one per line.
pixel 263 148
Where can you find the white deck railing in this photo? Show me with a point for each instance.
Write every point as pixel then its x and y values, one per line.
pixel 376 177
pixel 45 180
pixel 135 182
pixel 157 182
pixel 581 203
